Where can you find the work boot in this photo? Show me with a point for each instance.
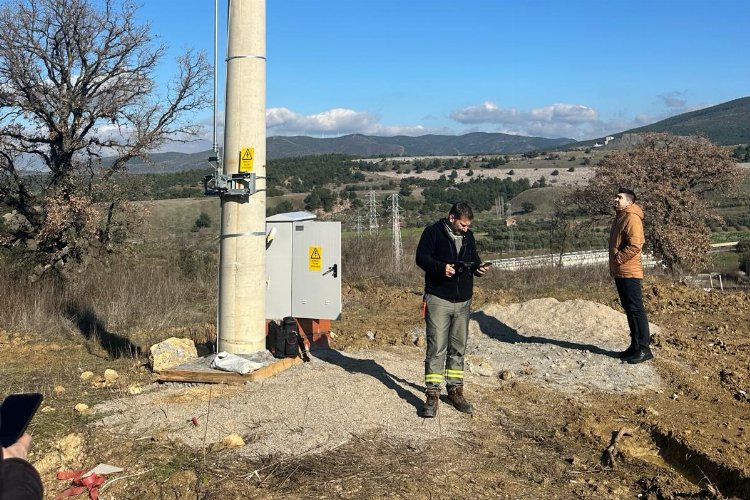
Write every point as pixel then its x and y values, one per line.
pixel 642 354
pixel 456 397
pixel 429 410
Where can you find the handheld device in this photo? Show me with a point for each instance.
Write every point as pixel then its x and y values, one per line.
pixel 463 266
pixel 16 412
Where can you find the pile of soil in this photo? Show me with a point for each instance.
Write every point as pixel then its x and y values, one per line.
pixel 570 346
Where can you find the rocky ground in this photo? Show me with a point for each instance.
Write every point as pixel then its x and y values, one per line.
pixel 550 399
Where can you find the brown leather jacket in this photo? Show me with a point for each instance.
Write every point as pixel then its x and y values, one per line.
pixel 625 243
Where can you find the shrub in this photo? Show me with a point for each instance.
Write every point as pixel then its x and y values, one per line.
pixel 203 220
pixel 743 246
pixel 744 261
pixel 528 207
pixel 283 207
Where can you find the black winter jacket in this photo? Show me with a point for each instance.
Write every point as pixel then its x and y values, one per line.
pixel 19 480
pixel 435 250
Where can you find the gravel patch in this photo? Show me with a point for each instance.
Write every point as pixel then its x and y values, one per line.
pixel 311 407
pixel 317 406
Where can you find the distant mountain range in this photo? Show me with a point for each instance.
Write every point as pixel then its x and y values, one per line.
pixel 365 146
pixel 724 124
pixel 400 145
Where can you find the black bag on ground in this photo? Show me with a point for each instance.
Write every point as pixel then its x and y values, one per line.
pixel 290 333
pixel 283 339
pixel 275 341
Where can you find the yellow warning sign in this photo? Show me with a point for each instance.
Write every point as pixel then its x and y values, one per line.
pixel 246 159
pixel 315 262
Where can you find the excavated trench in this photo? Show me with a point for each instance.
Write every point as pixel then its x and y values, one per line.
pixel 699 468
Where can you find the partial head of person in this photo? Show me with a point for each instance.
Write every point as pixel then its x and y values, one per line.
pixel 625 197
pixel 460 217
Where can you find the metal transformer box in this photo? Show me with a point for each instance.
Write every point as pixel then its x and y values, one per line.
pixel 303 267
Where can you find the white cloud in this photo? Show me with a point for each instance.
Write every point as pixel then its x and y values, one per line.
pixel 674 99
pixel 566 113
pixel 555 120
pixel 575 121
pixel 337 121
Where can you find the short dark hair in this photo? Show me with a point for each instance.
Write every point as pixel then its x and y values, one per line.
pixel 629 192
pixel 461 209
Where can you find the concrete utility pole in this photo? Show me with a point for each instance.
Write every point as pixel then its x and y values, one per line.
pixel 242 274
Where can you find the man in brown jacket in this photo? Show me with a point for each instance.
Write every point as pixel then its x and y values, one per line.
pixel 626 267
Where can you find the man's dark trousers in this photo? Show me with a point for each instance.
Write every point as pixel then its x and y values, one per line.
pixel 631 298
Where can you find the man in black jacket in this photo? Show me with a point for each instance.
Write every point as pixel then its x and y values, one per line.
pixel 448 255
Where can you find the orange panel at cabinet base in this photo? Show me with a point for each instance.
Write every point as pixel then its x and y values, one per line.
pixel 316 331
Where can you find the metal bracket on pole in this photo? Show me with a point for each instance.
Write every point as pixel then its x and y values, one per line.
pixel 220 184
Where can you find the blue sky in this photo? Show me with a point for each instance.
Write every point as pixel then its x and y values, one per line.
pixel 579 69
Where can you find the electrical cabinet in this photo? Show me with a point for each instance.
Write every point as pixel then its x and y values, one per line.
pixel 303 267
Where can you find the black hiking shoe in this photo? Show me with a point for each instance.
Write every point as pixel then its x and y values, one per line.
pixel 456 397
pixel 643 354
pixel 430 408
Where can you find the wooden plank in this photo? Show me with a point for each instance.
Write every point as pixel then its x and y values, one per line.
pixel 219 377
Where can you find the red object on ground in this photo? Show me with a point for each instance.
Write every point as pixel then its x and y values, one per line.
pixel 81 484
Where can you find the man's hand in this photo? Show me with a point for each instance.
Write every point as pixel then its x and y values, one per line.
pixel 19 449
pixel 449 270
pixel 481 270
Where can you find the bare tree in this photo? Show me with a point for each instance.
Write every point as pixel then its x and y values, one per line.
pixel 671 176
pixel 77 84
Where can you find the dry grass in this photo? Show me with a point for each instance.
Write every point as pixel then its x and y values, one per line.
pixel 130 298
pixel 552 281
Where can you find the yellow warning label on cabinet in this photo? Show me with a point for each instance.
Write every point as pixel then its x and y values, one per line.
pixel 315 262
pixel 246 159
